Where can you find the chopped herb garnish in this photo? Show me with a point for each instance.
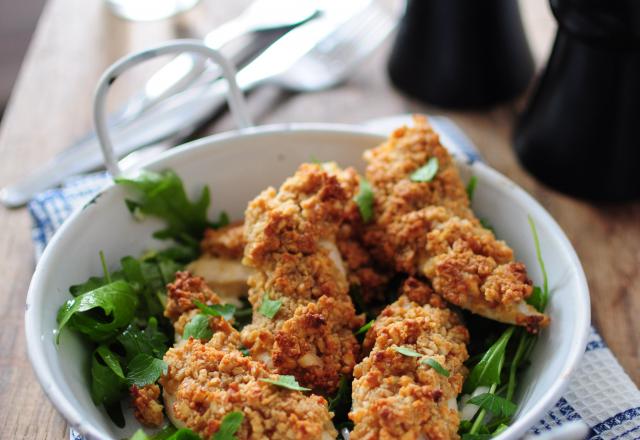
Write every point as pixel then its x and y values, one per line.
pixel 286 381
pixel 365 328
pixel 144 370
pixel 471 187
pixel 496 405
pixel 427 172
pixel 269 307
pixel 225 311
pixel 364 199
pixel 198 327
pixel 245 351
pixel 229 426
pixel 436 366
pixel 406 351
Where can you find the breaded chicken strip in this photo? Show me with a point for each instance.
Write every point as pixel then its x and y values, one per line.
pixel 399 396
pixel 205 382
pixel 221 262
pixel 291 236
pixel 428 228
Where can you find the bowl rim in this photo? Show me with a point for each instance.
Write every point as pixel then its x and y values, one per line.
pixel 73 415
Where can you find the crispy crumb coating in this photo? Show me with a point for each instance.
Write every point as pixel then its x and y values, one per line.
pixel 147 406
pixel 205 382
pixel 397 396
pixel 226 242
pixel 291 236
pixel 428 228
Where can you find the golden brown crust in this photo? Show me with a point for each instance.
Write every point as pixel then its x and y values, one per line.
pixel 291 244
pixel 226 242
pixel 397 396
pixel 428 228
pixel 147 406
pixel 183 291
pixel 205 383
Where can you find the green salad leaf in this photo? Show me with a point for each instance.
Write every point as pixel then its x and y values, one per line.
pixel 163 195
pixel 427 172
pixel 269 307
pixel 100 313
pixel 144 370
pixel 365 328
pixel 225 311
pixel 107 386
pixel 487 371
pixel 364 199
pixel 198 327
pixel 471 187
pixel 167 433
pixel 436 366
pixel 229 426
pixel 496 405
pixel 286 381
pixel 110 360
pixel 150 341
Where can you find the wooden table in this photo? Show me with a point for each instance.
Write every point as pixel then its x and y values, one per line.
pixel 77 39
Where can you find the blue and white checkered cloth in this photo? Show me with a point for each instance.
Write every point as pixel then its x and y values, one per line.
pixel 600 393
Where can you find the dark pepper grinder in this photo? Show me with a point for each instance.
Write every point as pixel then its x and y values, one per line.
pixel 580 132
pixel 460 53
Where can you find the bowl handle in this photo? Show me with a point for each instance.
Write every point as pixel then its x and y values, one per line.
pixel 235 98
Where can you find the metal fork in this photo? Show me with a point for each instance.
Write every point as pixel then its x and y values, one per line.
pixel 324 64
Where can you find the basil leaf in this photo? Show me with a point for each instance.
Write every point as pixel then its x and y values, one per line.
pixel 115 304
pixel 364 199
pixel 229 426
pixel 487 370
pixel 269 307
pixel 365 328
pixel 286 381
pixel 225 311
pixel 498 406
pixel 471 187
pixel 427 172
pixel 198 327
pixel 144 370
pixel 436 366
pixel 163 195
pixel 406 351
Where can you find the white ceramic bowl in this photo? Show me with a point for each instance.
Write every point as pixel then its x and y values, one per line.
pixel 237 167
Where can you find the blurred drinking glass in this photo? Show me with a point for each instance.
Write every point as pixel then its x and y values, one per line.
pixel 147 10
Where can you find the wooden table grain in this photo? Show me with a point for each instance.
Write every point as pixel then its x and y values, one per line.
pixel 77 39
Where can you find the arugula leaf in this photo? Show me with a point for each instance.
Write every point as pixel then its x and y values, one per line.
pixel 427 172
pixel 364 199
pixel 497 405
pixel 487 371
pixel 91 284
pixel 436 366
pixel 342 399
pixel 365 328
pixel 163 195
pixel 537 299
pixel 485 224
pixel 225 311
pixel 198 327
pixel 469 436
pixel 223 220
pixel 406 351
pixel 106 385
pixel 144 370
pixel 111 360
pixel 544 294
pixel 286 381
pixel 115 304
pixel 471 187
pixel 167 433
pixel 269 307
pixel 150 341
pixel 229 426
pixel 500 429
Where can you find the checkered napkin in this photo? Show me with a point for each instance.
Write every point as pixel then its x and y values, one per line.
pixel 600 392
